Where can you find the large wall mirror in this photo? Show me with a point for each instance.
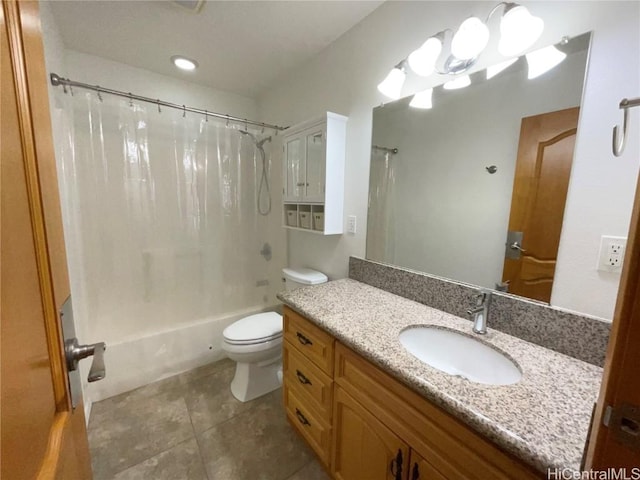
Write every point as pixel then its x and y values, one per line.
pixel 474 188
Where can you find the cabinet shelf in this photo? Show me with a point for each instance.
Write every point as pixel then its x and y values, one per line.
pixel 313 175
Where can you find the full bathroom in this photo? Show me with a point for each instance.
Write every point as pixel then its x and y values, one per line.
pixel 313 240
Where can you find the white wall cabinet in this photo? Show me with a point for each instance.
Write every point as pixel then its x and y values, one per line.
pixel 313 175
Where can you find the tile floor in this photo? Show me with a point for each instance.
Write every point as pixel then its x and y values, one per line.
pixel 189 427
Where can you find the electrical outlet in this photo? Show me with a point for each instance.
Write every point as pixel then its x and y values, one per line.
pixel 611 253
pixel 351 224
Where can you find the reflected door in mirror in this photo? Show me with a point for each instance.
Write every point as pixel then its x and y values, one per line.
pixel 545 154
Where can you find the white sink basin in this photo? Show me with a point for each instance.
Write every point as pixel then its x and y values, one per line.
pixel 458 354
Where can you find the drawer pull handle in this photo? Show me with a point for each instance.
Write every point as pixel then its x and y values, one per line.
pixel 301 418
pixel 303 380
pixel 303 340
pixel 415 475
pixel 396 466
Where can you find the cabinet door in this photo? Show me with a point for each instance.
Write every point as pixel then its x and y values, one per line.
pixel 363 446
pixel 420 469
pixel 294 174
pixel 315 156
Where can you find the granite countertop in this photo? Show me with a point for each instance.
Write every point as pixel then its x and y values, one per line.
pixel 543 419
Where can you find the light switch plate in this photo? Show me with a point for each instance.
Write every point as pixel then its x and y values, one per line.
pixel 351 224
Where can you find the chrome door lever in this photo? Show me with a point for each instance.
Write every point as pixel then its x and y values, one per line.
pixel 516 246
pixel 75 352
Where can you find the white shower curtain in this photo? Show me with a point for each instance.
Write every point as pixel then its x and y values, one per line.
pixel 160 215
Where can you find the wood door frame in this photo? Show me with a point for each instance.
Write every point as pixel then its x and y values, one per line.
pixel 18 47
pixel 66 446
pixel 625 333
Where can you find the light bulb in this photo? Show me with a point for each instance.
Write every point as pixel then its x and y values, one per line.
pixel 460 82
pixel 184 63
pixel 543 60
pixel 518 31
pixel 423 60
pixel 391 86
pixel 422 99
pixel 470 39
pixel 493 70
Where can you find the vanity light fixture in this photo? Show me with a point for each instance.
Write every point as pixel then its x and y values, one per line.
pixel 518 31
pixel 423 60
pixel 543 60
pixel 456 83
pixel 184 63
pixel 422 99
pixel 391 86
pixel 470 39
pixel 494 70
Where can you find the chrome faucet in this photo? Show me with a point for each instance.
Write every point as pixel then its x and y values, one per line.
pixel 480 311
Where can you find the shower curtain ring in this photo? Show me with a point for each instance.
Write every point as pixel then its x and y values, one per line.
pixel 227 121
pixel 206 116
pixel 130 100
pixel 99 96
pixel 184 111
pixel 246 127
pixel 159 111
pixel 64 88
pixel 71 90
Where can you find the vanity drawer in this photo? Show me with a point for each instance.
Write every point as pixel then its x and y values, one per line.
pixel 444 442
pixel 311 341
pixel 315 430
pixel 308 381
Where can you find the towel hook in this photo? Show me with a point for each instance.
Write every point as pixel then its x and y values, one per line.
pixel 619 141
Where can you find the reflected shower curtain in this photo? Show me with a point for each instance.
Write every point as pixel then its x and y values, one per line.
pixel 160 215
pixel 380 230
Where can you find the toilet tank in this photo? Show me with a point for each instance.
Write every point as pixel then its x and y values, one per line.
pixel 302 277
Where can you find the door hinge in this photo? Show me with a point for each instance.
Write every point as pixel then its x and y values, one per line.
pixel 624 422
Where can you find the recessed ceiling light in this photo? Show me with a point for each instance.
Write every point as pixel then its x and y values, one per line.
pixel 184 63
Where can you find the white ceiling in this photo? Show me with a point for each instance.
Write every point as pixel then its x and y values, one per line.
pixel 241 46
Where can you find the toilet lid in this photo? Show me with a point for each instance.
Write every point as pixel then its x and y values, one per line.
pixel 254 328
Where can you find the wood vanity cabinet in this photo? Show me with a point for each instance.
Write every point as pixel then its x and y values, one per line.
pixel 307 364
pixel 365 425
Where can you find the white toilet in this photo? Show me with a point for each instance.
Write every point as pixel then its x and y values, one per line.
pixel 255 343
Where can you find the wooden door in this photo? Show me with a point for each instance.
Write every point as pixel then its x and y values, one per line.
pixel 363 446
pixel 545 155
pixel 42 437
pixel 420 469
pixel 617 444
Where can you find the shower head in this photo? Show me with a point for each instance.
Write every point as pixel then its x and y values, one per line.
pixel 263 141
pixel 255 140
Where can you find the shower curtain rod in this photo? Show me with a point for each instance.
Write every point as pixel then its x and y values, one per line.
pixel 57 80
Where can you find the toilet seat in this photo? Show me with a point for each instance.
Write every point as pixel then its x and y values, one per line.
pixel 254 329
